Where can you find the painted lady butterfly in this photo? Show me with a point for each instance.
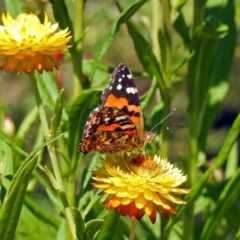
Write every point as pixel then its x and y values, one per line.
pixel 116 125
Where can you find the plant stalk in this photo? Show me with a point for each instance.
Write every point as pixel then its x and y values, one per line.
pixel 53 156
pixel 133 229
pixel 78 45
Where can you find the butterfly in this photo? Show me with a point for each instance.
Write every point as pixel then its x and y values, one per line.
pixel 117 125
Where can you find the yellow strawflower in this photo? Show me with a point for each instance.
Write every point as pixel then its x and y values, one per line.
pixel 137 185
pixel 27 44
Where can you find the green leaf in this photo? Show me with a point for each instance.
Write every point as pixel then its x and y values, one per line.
pixel 91 162
pixel 146 56
pixel 147 226
pixel 79 225
pixel 109 226
pixel 124 17
pixel 28 226
pixel 163 48
pixel 6 168
pixel 61 14
pixel 181 27
pixel 78 114
pixel 91 202
pixel 232 162
pixel 200 64
pixel 219 76
pixel 31 117
pixel 12 205
pixel 15 7
pixel 48 88
pixel 9 142
pixel 55 121
pixel 156 116
pixel 61 231
pixel 228 196
pixel 230 140
pixel 148 96
pixel 93 227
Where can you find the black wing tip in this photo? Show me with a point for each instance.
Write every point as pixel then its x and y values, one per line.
pixel 121 69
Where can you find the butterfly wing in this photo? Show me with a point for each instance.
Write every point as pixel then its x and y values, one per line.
pixel 116 125
pixel 108 130
pixel 109 142
pixel 122 94
pixel 108 119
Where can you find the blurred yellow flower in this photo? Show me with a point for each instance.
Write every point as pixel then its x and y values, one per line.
pixel 26 44
pixel 137 185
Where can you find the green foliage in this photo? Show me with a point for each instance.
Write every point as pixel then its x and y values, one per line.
pixel 124 17
pixel 186 61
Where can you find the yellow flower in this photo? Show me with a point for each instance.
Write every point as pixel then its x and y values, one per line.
pixel 26 44
pixel 137 185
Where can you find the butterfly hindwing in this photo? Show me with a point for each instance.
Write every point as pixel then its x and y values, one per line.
pixel 109 119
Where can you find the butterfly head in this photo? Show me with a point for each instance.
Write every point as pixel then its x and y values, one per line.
pixel 149 137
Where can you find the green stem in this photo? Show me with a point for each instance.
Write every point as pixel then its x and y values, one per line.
pixel 155 27
pixel 78 53
pixel 133 229
pixel 77 88
pixel 195 107
pixel 167 31
pixel 164 234
pixel 198 13
pixel 53 156
pixel 192 173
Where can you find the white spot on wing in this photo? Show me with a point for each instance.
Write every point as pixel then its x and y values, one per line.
pixel 129 76
pixel 107 119
pixel 110 88
pixel 119 87
pixel 123 117
pixel 119 80
pixel 131 90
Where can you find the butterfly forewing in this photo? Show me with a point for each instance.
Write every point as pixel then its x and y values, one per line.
pixel 122 94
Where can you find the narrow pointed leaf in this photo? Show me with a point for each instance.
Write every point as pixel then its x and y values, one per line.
pixel 48 88
pixel 12 205
pixel 55 121
pixel 146 55
pixel 227 198
pixel 93 227
pixel 109 226
pixel 218 163
pixel 220 73
pixel 79 225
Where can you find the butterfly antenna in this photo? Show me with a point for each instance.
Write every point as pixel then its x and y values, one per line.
pixel 164 119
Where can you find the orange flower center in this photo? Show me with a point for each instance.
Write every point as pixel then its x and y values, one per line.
pixel 144 166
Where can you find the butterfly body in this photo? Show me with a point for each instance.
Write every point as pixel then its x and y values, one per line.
pixel 116 125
